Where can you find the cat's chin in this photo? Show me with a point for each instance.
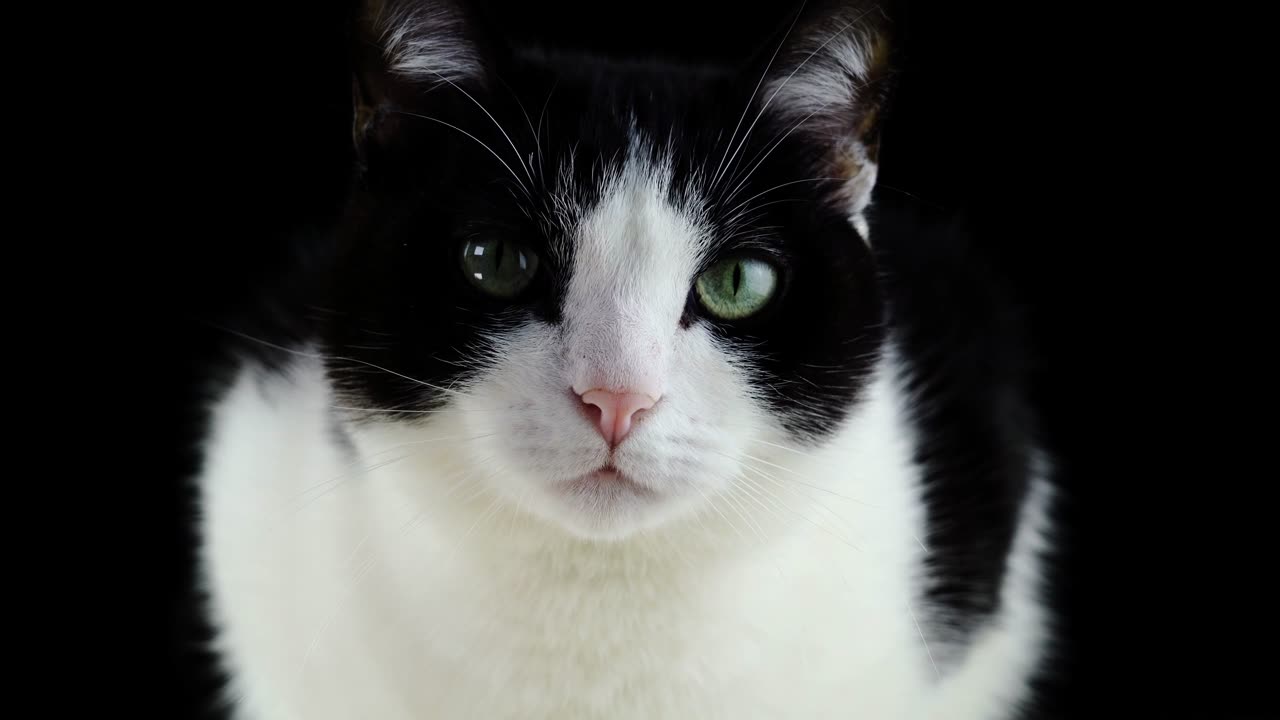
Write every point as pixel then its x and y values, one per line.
pixel 607 487
pixel 607 505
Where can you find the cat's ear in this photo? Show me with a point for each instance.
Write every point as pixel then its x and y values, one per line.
pixel 406 52
pixel 828 83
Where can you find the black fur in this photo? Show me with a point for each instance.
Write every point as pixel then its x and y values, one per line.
pixel 383 286
pixel 394 297
pixel 436 169
pixel 961 336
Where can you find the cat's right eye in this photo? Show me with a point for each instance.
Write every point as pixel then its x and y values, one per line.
pixel 501 268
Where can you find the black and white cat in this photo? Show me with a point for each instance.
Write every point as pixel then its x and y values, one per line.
pixel 613 396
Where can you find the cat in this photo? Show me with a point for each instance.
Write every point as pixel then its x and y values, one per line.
pixel 613 394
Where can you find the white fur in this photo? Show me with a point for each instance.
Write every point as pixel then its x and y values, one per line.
pixel 428 43
pixel 442 568
pixel 823 94
pixel 1019 635
pixel 826 80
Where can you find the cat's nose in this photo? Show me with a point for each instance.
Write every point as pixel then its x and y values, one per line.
pixel 613 412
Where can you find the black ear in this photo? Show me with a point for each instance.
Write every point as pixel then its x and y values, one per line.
pixel 829 83
pixel 405 51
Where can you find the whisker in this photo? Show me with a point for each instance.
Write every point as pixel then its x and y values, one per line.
pixel 806 484
pixel 798 487
pixel 407 412
pixel 742 510
pixel 301 501
pixel 774 144
pixel 791 487
pixel 538 132
pixel 769 66
pixel 497 157
pixel 909 194
pixel 528 122
pixel 778 187
pixel 738 510
pixel 372 531
pixel 496 124
pixel 494 505
pixel 758 495
pixel 358 468
pixel 804 62
pixel 771 147
pixel 317 356
pixel 806 518
pixel 824 511
pixel 716 508
pixel 706 531
pixel 927 651
pixel 416 443
pixel 515 513
pixel 801 453
pixel 756 209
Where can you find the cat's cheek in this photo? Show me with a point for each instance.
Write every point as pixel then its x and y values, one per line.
pixel 540 451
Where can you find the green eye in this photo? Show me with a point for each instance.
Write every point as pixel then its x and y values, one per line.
pixel 737 287
pixel 499 267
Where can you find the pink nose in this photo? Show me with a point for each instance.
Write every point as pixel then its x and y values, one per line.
pixel 615 411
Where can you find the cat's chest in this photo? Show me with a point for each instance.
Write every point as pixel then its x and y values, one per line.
pixel 785 636
pixel 400 621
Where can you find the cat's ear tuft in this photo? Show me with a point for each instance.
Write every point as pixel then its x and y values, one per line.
pixel 430 42
pixel 406 50
pixel 829 83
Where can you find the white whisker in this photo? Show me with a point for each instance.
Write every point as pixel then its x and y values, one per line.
pixel 927 651
pixel 790 487
pixel 317 356
pixel 496 124
pixel 746 517
pixel 404 412
pixel 734 209
pixel 770 148
pixel 482 143
pixel 797 69
pixel 538 132
pixel 807 484
pixel 808 519
pixel 358 467
pixel 760 82
pixel 724 517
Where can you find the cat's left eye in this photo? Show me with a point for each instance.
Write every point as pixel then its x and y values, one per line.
pixel 502 268
pixel 737 287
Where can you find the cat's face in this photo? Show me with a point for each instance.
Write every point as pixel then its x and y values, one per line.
pixel 620 285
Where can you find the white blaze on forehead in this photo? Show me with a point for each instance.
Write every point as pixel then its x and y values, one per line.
pixel 634 257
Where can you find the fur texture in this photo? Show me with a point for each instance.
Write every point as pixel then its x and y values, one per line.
pixel 835 509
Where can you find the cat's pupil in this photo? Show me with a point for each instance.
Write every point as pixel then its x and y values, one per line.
pixel 737 277
pixel 497 267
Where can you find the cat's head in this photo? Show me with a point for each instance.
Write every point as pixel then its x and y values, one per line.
pixel 613 286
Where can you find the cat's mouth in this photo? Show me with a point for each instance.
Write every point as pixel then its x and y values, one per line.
pixel 608 474
pixel 607 483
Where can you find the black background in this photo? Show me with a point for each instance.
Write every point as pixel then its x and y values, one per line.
pixel 1008 113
